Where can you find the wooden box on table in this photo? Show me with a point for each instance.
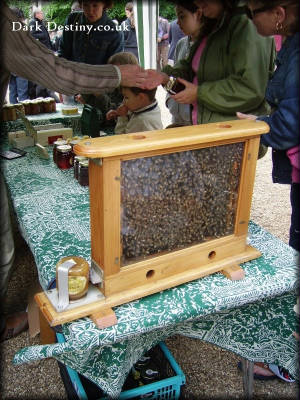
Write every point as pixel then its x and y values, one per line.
pixel 170 206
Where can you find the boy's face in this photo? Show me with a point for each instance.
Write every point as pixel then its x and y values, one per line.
pixel 132 101
pixel 93 10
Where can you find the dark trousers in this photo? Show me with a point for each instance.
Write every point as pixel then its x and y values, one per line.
pixel 295 217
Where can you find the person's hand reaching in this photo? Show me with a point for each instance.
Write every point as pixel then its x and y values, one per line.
pixel 188 95
pixel 132 75
pixel 121 111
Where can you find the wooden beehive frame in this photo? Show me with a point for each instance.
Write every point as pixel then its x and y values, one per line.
pixel 126 283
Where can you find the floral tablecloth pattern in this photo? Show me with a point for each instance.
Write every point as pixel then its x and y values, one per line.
pixel 253 317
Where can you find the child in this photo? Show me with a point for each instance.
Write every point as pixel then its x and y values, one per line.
pixel 105 102
pixel 138 113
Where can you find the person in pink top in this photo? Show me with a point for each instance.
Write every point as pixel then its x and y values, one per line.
pixel 227 67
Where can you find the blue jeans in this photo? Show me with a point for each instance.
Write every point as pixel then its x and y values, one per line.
pixel 18 89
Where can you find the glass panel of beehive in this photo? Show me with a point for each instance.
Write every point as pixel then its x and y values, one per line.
pixel 173 201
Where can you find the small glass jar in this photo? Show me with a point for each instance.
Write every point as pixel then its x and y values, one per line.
pixel 27 107
pixel 11 112
pixel 53 104
pixel 19 107
pixel 173 86
pixel 58 142
pixel 64 156
pixel 76 161
pixel 83 172
pixel 78 277
pixel 73 142
pixel 47 106
pixel 35 107
pixel 5 113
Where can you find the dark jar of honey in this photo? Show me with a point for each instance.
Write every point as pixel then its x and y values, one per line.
pixel 76 161
pixel 83 172
pixel 35 107
pixel 78 277
pixel 64 156
pixel 173 86
pixel 27 107
pixel 58 142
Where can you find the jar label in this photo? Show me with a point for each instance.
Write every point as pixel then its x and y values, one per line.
pixel 77 284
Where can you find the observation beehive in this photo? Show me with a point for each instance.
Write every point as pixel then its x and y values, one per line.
pixel 170 206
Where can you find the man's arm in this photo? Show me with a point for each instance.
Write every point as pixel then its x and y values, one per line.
pixel 26 57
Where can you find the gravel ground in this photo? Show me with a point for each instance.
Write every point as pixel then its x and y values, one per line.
pixel 211 372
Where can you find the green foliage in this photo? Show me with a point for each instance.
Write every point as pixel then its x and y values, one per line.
pixel 57 11
pixel 25 6
pixel 118 10
pixel 167 10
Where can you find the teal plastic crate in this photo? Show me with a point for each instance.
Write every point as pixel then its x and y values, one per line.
pixel 165 389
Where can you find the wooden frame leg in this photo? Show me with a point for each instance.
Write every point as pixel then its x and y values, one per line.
pixel 247 367
pixel 47 334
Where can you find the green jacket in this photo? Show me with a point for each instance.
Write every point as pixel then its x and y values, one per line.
pixel 234 69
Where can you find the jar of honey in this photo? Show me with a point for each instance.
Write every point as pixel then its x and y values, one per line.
pixel 35 107
pixel 76 161
pixel 5 113
pixel 173 86
pixel 64 156
pixel 78 277
pixel 27 107
pixel 19 107
pixel 58 142
pixel 47 105
pixel 11 112
pixel 83 172
pixel 53 104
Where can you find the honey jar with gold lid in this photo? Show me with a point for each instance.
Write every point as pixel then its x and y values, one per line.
pixel 78 277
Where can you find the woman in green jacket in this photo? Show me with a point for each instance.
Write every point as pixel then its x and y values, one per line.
pixel 227 68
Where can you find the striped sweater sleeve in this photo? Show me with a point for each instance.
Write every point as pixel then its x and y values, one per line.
pixel 26 57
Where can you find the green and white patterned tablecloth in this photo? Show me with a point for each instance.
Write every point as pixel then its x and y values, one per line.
pixel 253 317
pixel 69 121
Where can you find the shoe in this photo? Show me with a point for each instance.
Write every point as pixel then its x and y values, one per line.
pixel 281 373
pixel 260 376
pixel 15 324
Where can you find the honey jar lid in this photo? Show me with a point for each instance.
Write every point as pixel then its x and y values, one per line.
pixel 60 142
pixel 84 163
pixel 80 158
pixel 64 148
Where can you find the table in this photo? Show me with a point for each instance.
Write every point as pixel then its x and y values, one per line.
pixel 253 317
pixel 69 121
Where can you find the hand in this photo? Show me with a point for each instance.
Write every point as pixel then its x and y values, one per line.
pixel 111 114
pixel 79 99
pixel 122 110
pixel 132 75
pixel 188 95
pixel 155 78
pixel 246 116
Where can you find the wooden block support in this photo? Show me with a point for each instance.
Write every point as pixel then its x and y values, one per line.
pixel 104 318
pixel 234 273
pixel 47 334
